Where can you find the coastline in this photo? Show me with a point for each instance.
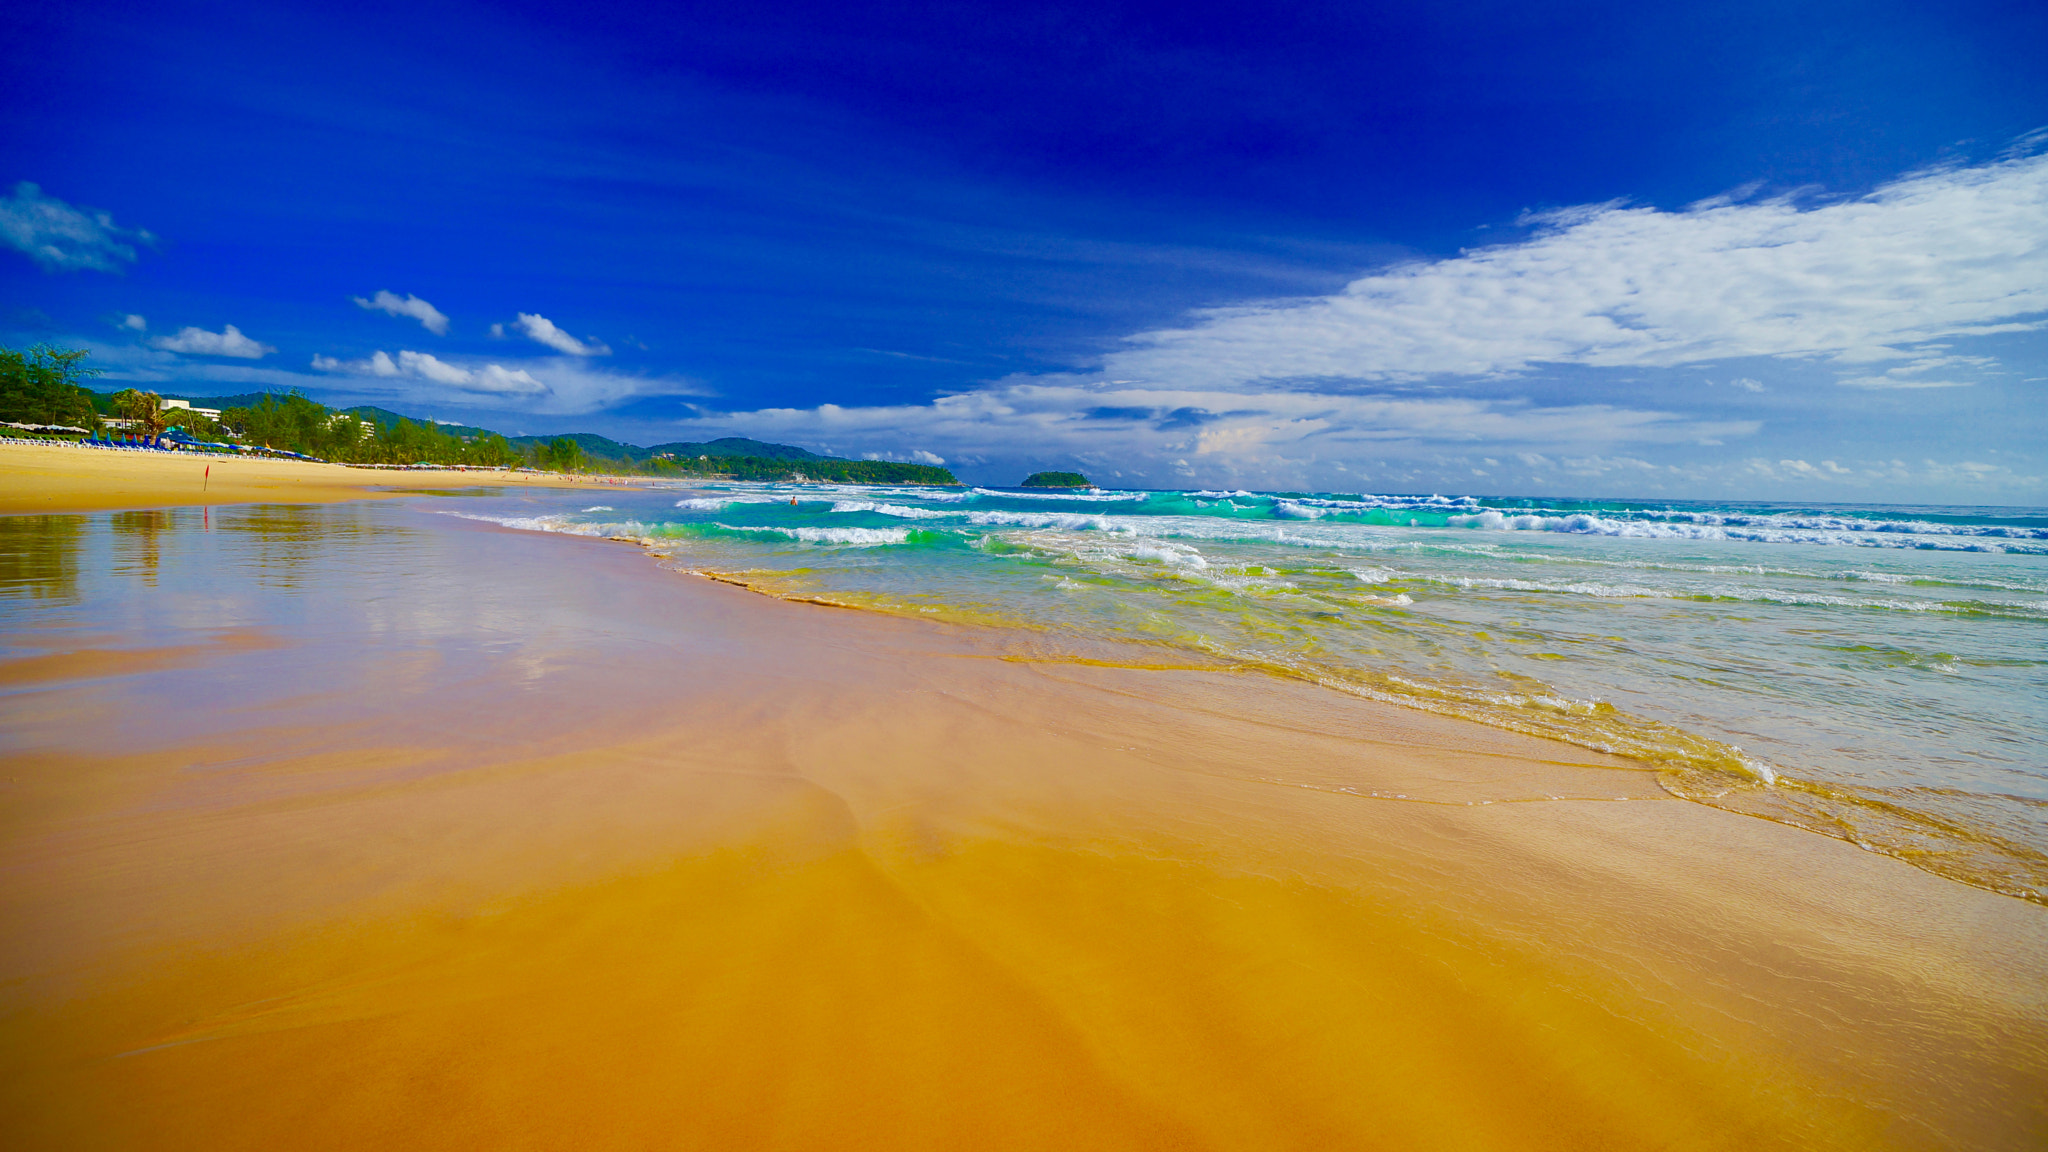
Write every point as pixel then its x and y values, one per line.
pixel 50 478
pixel 730 872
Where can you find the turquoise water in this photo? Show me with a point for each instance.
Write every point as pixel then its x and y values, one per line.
pixel 1875 673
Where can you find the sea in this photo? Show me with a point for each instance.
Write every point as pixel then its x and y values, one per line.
pixel 1876 673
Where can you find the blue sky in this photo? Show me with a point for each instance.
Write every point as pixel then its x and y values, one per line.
pixel 1721 250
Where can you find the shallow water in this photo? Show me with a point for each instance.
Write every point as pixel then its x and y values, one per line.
pixel 1876 673
pixel 367 826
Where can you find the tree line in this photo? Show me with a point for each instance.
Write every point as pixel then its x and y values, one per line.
pixel 45 386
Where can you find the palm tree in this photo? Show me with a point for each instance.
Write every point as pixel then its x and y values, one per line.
pixel 146 409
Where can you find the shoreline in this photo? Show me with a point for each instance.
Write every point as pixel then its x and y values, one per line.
pixel 49 478
pixel 729 873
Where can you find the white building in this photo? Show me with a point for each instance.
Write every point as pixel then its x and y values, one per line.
pixel 209 413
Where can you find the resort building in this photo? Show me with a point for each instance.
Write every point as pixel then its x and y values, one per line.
pixel 209 413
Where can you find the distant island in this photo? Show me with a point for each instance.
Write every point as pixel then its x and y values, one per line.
pixel 1056 480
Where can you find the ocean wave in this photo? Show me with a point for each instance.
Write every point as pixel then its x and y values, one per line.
pixel 533 523
pixel 1065 521
pixel 1098 496
pixel 1915 579
pixel 938 496
pixel 1330 590
pixel 901 511
pixel 721 503
pixel 1795 530
pixel 856 537
pixel 1170 555
pixel 1740 593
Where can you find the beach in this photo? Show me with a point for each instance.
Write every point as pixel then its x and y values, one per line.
pixel 388 823
pixel 63 477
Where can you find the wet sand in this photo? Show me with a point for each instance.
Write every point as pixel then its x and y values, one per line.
pixel 67 478
pixel 355 826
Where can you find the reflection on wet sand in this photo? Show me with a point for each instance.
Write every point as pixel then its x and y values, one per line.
pixel 39 556
pixel 643 862
pixel 281 539
pixel 137 547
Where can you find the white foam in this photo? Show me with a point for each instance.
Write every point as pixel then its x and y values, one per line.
pixel 721 503
pixel 533 523
pixel 857 537
pixel 1066 521
pixel 1097 495
pixel 1779 528
pixel 599 508
pixel 901 511
pixel 1168 554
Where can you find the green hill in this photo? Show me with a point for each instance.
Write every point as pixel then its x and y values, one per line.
pixel 729 457
pixel 387 417
pixel 735 446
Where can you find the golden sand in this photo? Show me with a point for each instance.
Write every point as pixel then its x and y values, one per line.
pixel 69 478
pixel 658 863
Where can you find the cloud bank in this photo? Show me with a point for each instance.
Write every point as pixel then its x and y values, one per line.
pixel 1436 371
pixel 229 341
pixel 1950 252
pixel 63 238
pixel 1225 429
pixel 391 303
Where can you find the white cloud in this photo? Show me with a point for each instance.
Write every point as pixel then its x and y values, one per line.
pixel 541 330
pixel 1900 382
pixel 428 367
pixel 488 379
pixel 393 304
pixel 1746 384
pixel 920 456
pixel 555 385
pixel 134 323
pixel 63 238
pixel 1277 436
pixel 1955 251
pixel 229 341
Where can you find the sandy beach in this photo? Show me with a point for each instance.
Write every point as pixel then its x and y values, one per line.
pixel 69 478
pixel 351 825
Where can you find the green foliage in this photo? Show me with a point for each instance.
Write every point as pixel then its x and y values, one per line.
pixel 561 455
pixel 41 386
pixel 146 409
pixel 192 422
pixel 734 446
pixel 1055 480
pixel 291 422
